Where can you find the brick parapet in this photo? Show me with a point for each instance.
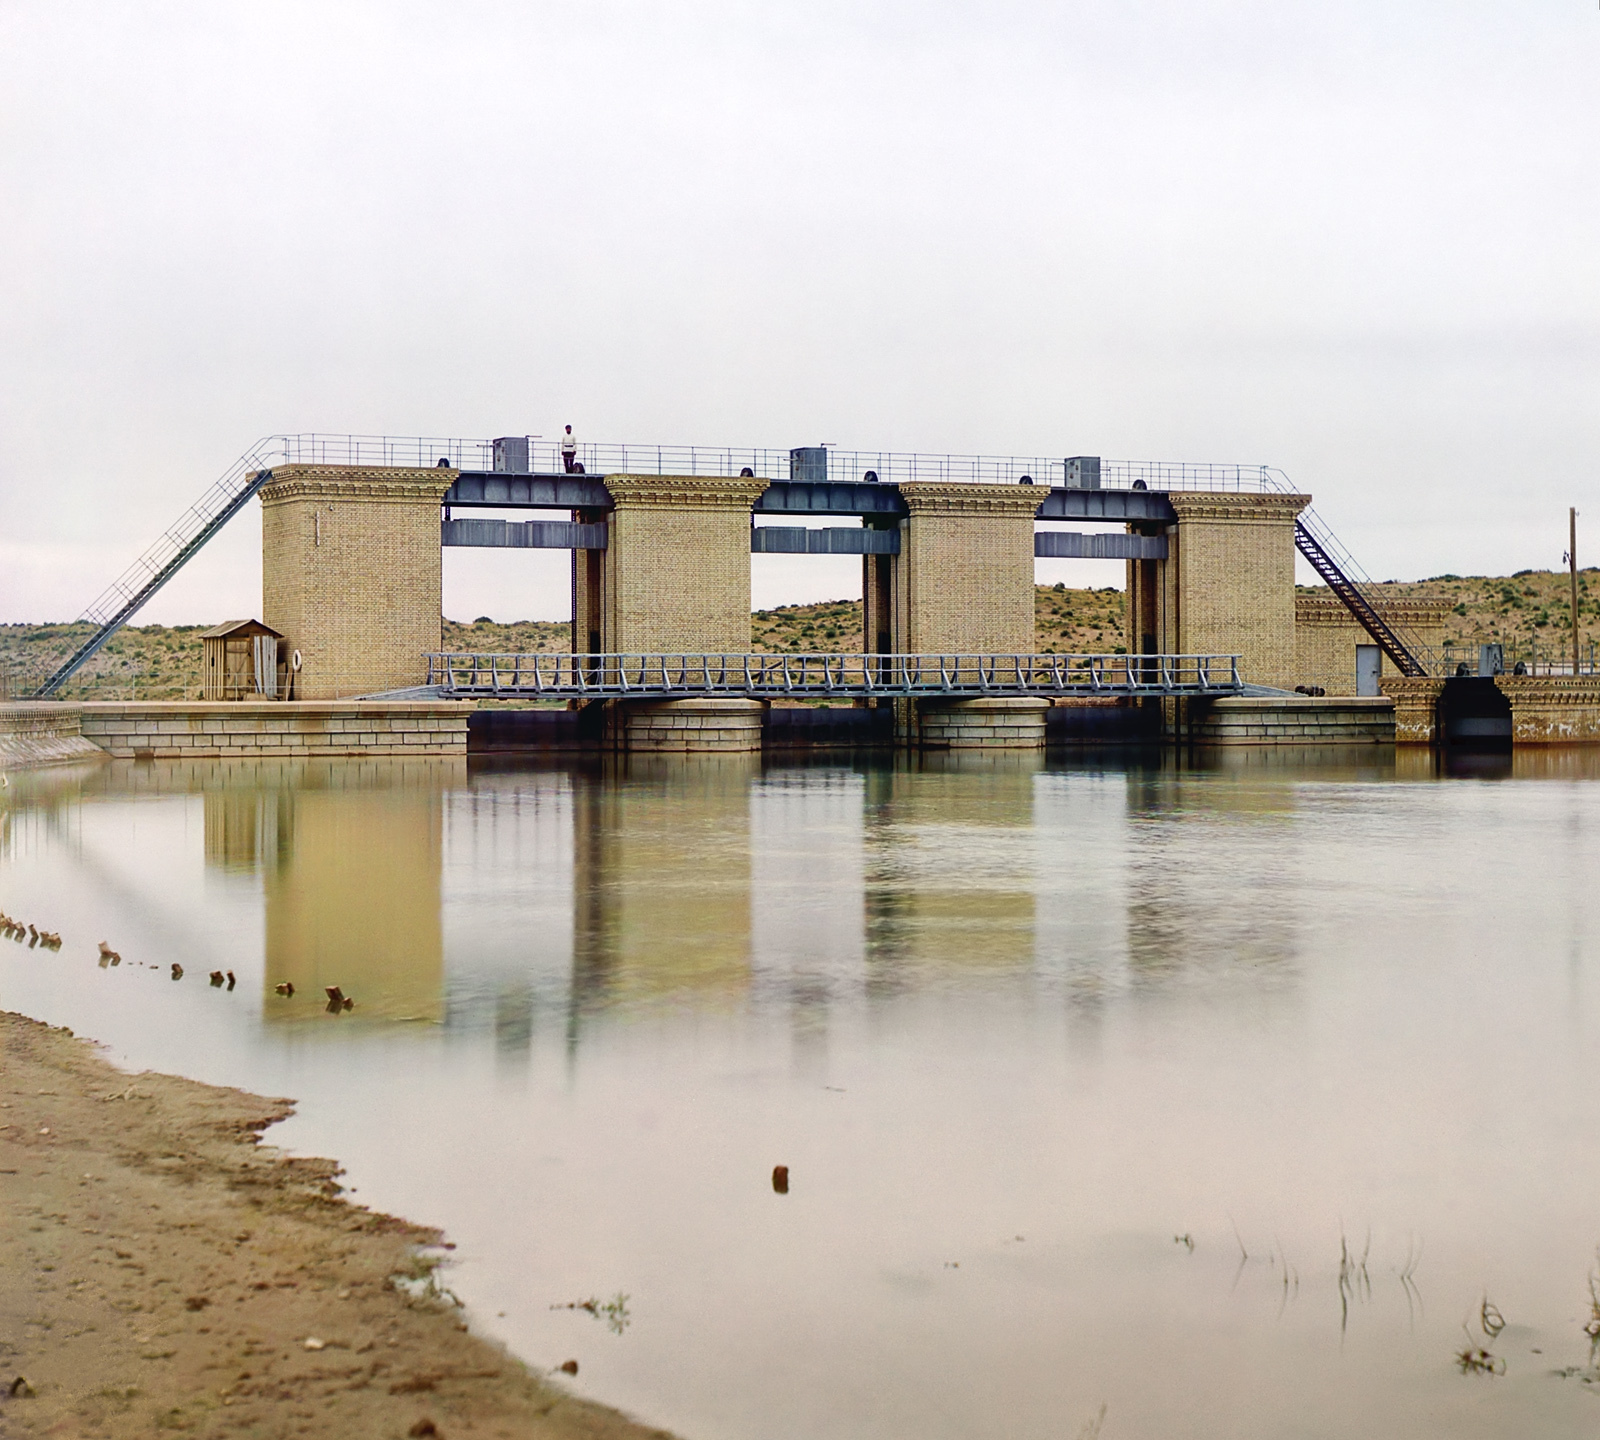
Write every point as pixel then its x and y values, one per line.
pixel 680 492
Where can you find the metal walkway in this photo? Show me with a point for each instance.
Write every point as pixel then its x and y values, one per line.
pixel 760 677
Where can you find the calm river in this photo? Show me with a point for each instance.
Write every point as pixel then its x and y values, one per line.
pixel 1221 1098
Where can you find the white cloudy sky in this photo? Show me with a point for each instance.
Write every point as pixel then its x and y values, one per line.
pixel 1356 240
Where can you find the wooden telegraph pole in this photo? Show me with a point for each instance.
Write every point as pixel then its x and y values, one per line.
pixel 1572 566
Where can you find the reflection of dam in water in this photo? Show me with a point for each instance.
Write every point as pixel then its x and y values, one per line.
pixel 537 900
pixel 350 860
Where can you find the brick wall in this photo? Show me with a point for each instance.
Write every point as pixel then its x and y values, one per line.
pixel 986 724
pixel 1416 707
pixel 1326 635
pixel 687 726
pixel 352 574
pixel 677 569
pixel 1227 585
pixel 963 581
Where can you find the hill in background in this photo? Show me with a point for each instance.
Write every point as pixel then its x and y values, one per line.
pixel 163 662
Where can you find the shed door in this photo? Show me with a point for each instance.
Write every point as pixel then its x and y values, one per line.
pixel 1368 659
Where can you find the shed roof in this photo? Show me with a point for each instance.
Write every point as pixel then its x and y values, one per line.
pixel 239 627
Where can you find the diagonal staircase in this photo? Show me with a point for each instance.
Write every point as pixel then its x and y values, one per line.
pixel 177 545
pixel 1356 603
pixel 1345 578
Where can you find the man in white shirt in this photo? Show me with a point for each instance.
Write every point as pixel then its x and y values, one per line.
pixel 569 450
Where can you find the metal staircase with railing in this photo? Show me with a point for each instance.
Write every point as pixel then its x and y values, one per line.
pixel 1357 603
pixel 178 544
pixel 1347 580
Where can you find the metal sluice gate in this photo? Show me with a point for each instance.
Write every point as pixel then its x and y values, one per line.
pixel 761 677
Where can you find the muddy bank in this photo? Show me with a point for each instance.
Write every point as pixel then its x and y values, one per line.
pixel 162 1271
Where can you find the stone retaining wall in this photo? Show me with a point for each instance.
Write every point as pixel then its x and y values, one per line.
pixel 42 732
pixel 1295 720
pixel 182 730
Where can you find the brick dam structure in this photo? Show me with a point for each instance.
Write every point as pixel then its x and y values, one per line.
pixel 1219 648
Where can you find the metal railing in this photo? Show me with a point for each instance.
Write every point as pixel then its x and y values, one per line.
pixel 821 676
pixel 1535 659
pixel 891 467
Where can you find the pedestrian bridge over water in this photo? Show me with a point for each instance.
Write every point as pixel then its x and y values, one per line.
pixel 823 677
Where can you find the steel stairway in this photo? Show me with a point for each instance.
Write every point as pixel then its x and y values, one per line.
pixel 1328 558
pixel 177 546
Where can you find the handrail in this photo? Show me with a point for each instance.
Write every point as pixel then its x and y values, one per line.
pixel 178 544
pixel 753 675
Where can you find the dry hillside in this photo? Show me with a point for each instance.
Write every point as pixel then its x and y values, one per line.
pixel 162 662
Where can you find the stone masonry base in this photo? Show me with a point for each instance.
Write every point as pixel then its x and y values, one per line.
pixel 42 732
pixel 990 724
pixel 686 726
pixel 1295 720
pixel 184 730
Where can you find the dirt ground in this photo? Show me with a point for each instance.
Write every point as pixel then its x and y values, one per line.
pixel 163 1272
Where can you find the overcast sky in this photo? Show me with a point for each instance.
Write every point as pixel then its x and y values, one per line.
pixel 1356 240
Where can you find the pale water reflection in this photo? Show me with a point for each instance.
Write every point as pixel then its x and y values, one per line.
pixel 1015 1029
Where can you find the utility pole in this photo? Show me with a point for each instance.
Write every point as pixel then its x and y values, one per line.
pixel 1572 566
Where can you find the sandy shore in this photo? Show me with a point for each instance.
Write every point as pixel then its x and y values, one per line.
pixel 162 1271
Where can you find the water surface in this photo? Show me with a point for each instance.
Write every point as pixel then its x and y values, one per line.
pixel 1221 1097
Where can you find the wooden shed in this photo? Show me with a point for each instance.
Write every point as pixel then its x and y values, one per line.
pixel 239 661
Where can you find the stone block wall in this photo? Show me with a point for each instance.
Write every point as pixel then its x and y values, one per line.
pixel 983 724
pixel 1293 720
pixel 352 573
pixel 1326 635
pixel 677 568
pixel 963 581
pixel 42 732
pixel 184 730
pixel 687 726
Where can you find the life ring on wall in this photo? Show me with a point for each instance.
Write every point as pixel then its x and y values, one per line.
pixel 294 661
